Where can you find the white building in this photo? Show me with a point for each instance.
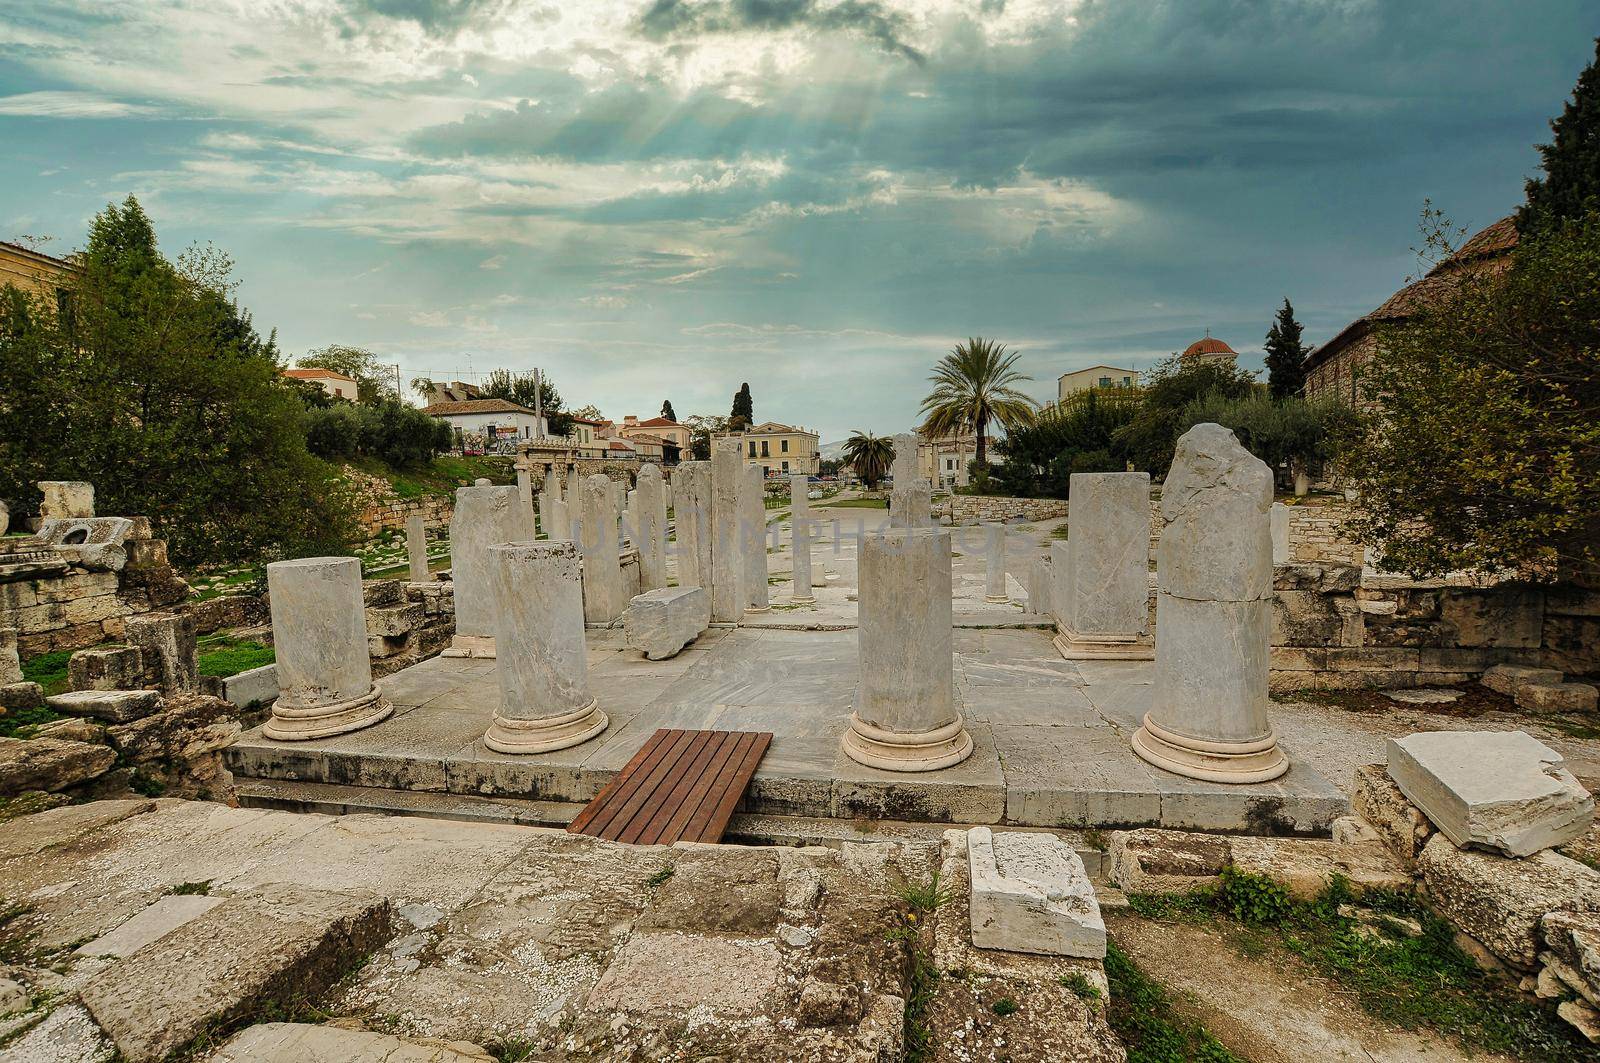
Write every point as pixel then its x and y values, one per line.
pixel 498 421
pixel 337 385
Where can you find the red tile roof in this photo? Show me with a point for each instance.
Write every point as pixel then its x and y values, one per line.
pixel 1209 345
pixel 317 374
pixel 446 409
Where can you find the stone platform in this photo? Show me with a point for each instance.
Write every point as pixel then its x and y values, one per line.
pixel 1052 739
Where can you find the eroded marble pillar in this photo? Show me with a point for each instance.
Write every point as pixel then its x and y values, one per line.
pixel 650 519
pixel 727 545
pixel 905 716
pixel 541 661
pixel 605 595
pixel 800 535
pixel 994 564
pixel 1213 616
pixel 753 532
pixel 1104 608
pixel 319 631
pixel 691 521
pixel 417 549
pixel 799 495
pixel 484 516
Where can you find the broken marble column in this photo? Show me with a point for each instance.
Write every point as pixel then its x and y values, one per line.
pixel 727 545
pixel 800 535
pixel 319 630
pixel 650 521
pixel 485 516
pixel 661 622
pixel 1502 790
pixel 1104 610
pixel 905 716
pixel 417 549
pixel 605 594
pixel 553 513
pixel 994 564
pixel 1214 616
pixel 1031 893
pixel 1041 578
pixel 65 499
pixel 911 497
pixel 166 644
pixel 753 532
pixel 525 484
pixel 799 495
pixel 691 520
pixel 541 660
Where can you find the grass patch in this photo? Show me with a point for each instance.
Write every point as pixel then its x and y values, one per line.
pixel 49 670
pixel 1080 985
pixel 225 656
pixel 922 981
pixel 659 878
pixel 22 723
pixel 1003 1007
pixel 1142 1015
pixel 1420 982
pixel 856 503
pixel 924 898
pixel 191 889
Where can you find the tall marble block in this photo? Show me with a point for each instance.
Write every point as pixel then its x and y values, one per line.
pixel 552 510
pixel 1104 609
pixel 417 549
pixel 1213 616
pixel 485 516
pixel 801 549
pixel 1041 581
pixel 605 594
pixel 541 661
pixel 650 521
pixel 753 530
pixel 799 495
pixel 905 716
pixel 319 630
pixel 994 563
pixel 727 545
pixel 691 522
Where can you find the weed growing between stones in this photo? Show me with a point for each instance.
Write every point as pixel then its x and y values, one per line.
pixel 1003 1007
pixel 1413 980
pixel 22 723
pixel 223 656
pixel 1142 1016
pixel 513 1050
pixel 49 670
pixel 1081 986
pixel 191 889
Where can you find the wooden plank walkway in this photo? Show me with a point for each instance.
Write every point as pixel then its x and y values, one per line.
pixel 680 786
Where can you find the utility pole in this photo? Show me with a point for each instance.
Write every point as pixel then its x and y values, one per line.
pixel 399 396
pixel 538 402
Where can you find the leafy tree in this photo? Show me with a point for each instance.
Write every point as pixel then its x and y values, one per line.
pixel 702 430
pixel 744 411
pixel 973 385
pixel 401 436
pixel 1570 186
pixel 1150 437
pixel 158 390
pixel 1286 355
pixel 374 380
pixel 519 388
pixel 1288 434
pixel 870 456
pixel 590 412
pixel 1038 459
pixel 666 410
pixel 1482 449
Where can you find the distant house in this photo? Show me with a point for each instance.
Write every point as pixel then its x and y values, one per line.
pixel 1335 367
pixel 35 272
pixel 587 437
pixel 455 391
pixel 944 461
pixel 654 448
pixel 779 449
pixel 1096 376
pixel 501 422
pixel 660 427
pixel 337 385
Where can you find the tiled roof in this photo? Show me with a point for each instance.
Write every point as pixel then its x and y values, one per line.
pixel 1208 345
pixel 659 422
pixel 447 409
pixel 317 374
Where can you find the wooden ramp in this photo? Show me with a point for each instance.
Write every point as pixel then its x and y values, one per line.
pixel 680 786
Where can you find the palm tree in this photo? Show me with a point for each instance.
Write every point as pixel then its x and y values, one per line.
pixel 973 386
pixel 869 455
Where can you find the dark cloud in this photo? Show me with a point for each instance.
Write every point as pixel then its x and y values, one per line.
pixel 431 15
pixel 670 19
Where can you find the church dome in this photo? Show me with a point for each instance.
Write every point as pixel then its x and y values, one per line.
pixel 1208 346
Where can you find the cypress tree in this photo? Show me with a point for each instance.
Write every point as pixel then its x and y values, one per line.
pixel 666 410
pixel 1570 186
pixel 1286 355
pixel 744 414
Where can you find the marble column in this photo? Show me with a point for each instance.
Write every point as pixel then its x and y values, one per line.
pixel 1041 582
pixel 799 495
pixel 319 630
pixel 727 545
pixel 691 520
pixel 994 564
pixel 605 595
pixel 753 530
pixel 800 536
pixel 905 716
pixel 1103 612
pixel 417 549
pixel 485 516
pixel 903 470
pixel 650 519
pixel 541 661
pixel 1213 616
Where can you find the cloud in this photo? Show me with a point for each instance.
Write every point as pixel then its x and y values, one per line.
pixel 62 104
pixel 675 19
pixel 493 262
pixel 429 318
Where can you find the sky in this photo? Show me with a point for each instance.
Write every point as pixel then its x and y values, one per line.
pixel 664 199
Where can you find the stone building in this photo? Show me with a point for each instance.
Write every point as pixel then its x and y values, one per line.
pixel 1334 368
pixel 663 428
pixel 501 420
pixel 779 449
pixel 337 385
pixel 1096 376
pixel 34 271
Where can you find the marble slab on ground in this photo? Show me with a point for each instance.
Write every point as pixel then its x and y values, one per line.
pixel 1051 737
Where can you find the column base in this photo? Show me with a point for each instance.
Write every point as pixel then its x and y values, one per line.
pixel 470 646
pixel 290 724
pixel 757 609
pixel 1075 647
pixel 1225 762
pixel 805 600
pixel 942 747
pixel 997 599
pixel 506 735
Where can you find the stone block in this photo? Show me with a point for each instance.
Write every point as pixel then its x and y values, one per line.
pixel 1150 860
pixel 669 973
pixel 65 499
pixel 1030 893
pixel 266 947
pixel 1507 679
pixel 146 553
pixel 1557 697
pixel 1401 825
pixel 49 764
pixel 1501 616
pixel 119 668
pixel 659 623
pixel 1306 866
pixel 257 686
pixel 395 621
pixel 1502 902
pixel 153 923
pixel 167 643
pixel 187 728
pixel 1496 790
pixel 1573 938
pixel 293 1042
pixel 10 662
pixel 23 695
pixel 117 706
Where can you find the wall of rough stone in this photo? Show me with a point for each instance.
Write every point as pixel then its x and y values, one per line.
pixel 382 510
pixel 976 509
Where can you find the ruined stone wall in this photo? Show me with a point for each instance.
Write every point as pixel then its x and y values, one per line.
pixel 382 510
pixel 1316 533
pixel 976 509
